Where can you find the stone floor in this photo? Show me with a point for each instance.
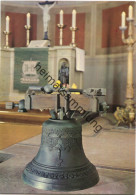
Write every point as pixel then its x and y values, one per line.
pixel 112 151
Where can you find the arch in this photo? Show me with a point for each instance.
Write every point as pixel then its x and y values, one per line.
pixel 63 72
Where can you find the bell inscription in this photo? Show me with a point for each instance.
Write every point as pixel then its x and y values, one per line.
pixel 60 164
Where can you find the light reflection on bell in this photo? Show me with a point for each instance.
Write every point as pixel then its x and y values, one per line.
pixel 61 164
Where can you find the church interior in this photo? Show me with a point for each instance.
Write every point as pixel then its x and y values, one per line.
pixel 67 97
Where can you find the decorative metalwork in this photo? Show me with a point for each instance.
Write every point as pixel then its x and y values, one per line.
pixel 73 29
pixel 61 175
pixel 27 34
pixel 61 27
pixel 127 115
pixel 61 140
pixel 7 39
pixel 61 164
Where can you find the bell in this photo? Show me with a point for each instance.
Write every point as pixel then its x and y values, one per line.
pixel 61 164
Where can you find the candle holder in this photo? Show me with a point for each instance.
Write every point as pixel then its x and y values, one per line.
pixel 61 27
pixel 127 115
pixel 73 29
pixel 7 39
pixel 27 34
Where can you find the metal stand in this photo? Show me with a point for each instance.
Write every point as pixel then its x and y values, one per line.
pixel 61 27
pixel 27 34
pixel 127 114
pixel 7 39
pixel 73 29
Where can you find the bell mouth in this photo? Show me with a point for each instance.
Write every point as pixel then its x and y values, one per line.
pixel 61 180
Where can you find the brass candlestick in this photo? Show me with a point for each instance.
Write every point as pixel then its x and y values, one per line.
pixel 61 27
pixel 127 114
pixel 7 39
pixel 27 34
pixel 73 29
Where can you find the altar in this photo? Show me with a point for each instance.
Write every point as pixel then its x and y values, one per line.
pixel 60 55
pixel 18 72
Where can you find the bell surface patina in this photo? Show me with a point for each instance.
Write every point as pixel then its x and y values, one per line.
pixel 61 164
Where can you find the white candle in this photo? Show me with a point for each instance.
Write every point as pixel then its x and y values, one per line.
pixel 123 19
pixel 7 23
pixel 28 19
pixel 61 17
pixel 130 12
pixel 74 18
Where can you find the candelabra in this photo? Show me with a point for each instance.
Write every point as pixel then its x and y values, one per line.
pixel 7 39
pixel 73 29
pixel 27 34
pixel 127 114
pixel 61 27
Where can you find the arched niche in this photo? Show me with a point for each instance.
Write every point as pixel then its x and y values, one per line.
pixel 63 71
pixel 60 54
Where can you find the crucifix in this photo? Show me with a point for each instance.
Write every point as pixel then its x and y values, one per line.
pixel 46 6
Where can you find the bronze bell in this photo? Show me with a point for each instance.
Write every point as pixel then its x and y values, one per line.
pixel 61 164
